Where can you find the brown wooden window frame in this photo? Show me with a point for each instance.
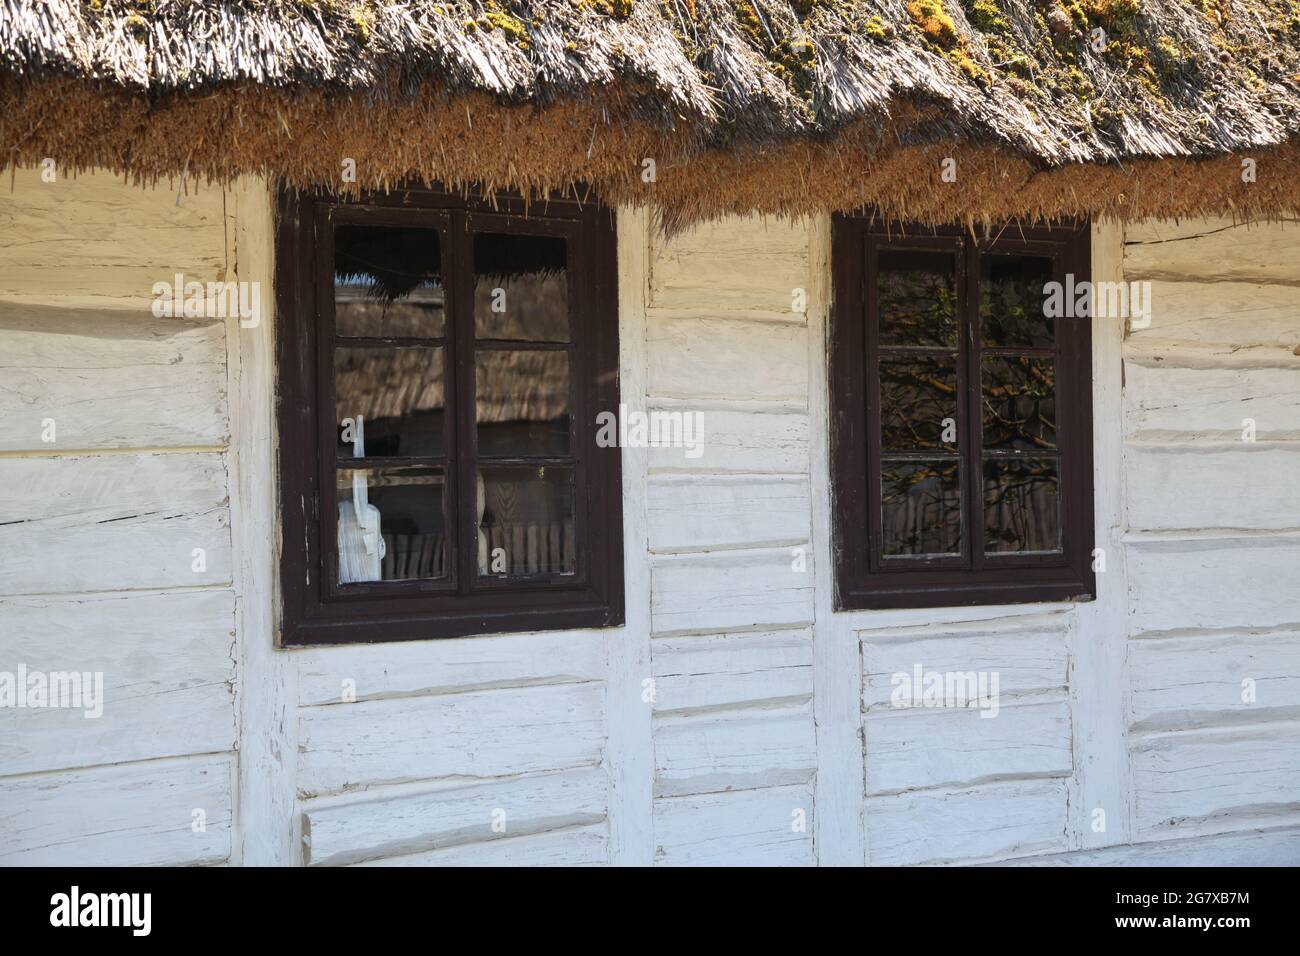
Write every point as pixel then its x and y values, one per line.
pixel 865 581
pixel 314 609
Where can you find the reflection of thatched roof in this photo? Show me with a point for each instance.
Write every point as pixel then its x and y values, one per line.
pixel 363 309
pixel 393 260
pixel 527 385
pixel 385 383
pixel 782 105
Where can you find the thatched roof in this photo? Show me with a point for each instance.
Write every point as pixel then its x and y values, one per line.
pixel 777 105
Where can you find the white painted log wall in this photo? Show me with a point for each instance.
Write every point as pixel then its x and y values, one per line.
pixel 946 784
pixel 730 532
pixel 736 719
pixel 1214 534
pixel 99 526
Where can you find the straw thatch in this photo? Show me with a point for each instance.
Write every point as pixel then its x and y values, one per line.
pixel 774 105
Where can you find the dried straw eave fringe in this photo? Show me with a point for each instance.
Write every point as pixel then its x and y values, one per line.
pixel 302 137
pixel 1177 77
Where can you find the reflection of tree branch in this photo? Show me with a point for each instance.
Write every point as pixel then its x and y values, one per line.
pixel 1015 429
pixel 918 519
pixel 1011 306
pixel 1017 511
pixel 1005 491
pixel 1037 388
pixel 917 307
pixel 911 400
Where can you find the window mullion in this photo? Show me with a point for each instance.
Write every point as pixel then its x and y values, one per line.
pixel 324 513
pixel 869 362
pixel 582 400
pixel 461 338
pixel 969 360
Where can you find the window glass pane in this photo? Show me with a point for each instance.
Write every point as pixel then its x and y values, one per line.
pixel 387 281
pixel 918 403
pixel 920 508
pixel 396 394
pixel 1011 302
pixel 521 287
pixel 917 297
pixel 1021 505
pixel 1019 403
pixel 392 524
pixel 525 521
pixel 522 403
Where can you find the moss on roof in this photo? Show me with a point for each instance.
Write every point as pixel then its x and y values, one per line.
pixel 1049 83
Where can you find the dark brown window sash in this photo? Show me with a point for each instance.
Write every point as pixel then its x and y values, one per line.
pixel 864 579
pixel 314 608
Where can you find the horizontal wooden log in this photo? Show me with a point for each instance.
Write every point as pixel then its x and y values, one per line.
pixel 767 827
pixel 731 590
pixel 578 846
pixel 1028 654
pixel 109 379
pixel 327 674
pixel 167 663
pixel 487 733
pixel 1208 781
pixel 1208 404
pixel 728 670
pixel 1271 847
pixel 1220 319
pixel 954 747
pixel 1207 679
pixel 1216 249
pixel 107 240
pixel 698 268
pixel 773 440
pixel 418 822
pixel 734 359
pixel 996 821
pixel 695 513
pixel 734 749
pixel 1213 582
pixel 101 523
pixel 1246 485
pixel 158 813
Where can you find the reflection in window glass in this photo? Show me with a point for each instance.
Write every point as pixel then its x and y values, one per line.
pixel 1011 302
pixel 525 520
pixel 917 298
pixel 388 281
pixel 920 508
pixel 521 288
pixel 397 394
pixel 1018 396
pixel 918 403
pixel 1022 511
pixel 522 403
pixel 392 524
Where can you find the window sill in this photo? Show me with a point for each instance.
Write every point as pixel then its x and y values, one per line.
pixel 453 623
pixel 884 598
